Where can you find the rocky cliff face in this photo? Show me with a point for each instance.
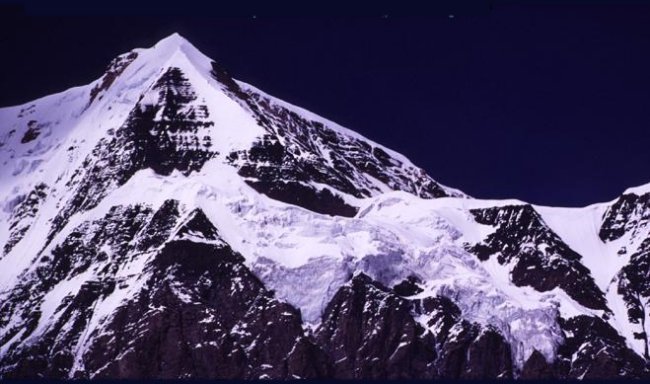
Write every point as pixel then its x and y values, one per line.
pixel 538 257
pixel 169 221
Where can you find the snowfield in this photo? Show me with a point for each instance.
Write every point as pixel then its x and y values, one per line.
pixel 302 255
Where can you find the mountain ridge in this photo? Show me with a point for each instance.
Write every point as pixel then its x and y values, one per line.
pixel 121 194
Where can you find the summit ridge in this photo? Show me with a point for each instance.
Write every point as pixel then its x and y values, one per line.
pixel 169 221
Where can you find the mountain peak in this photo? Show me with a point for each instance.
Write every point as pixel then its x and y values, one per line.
pixel 166 190
pixel 171 45
pixel 174 37
pixel 173 40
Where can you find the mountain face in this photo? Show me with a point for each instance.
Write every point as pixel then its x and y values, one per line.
pixel 169 221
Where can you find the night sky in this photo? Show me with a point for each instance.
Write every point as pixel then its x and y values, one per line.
pixel 547 104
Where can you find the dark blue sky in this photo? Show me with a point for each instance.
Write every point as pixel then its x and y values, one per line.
pixel 547 104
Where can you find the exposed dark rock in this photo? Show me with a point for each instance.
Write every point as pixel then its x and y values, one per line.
pixel 629 213
pixel 488 356
pixel 443 314
pixel 32 132
pixel 298 154
pixel 273 171
pixel 594 350
pixel 197 224
pixel 163 137
pixel 230 86
pixel 159 227
pixel 408 287
pixel 369 333
pixel 86 307
pixel 23 215
pixel 452 360
pixel 84 248
pixel 320 201
pixel 634 287
pixel 52 354
pixel 537 368
pixel 113 71
pixel 542 260
pixel 201 313
pixel 204 315
pixel 307 360
pixel 464 350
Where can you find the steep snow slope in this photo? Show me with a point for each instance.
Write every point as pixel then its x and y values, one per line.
pixel 582 229
pixel 108 188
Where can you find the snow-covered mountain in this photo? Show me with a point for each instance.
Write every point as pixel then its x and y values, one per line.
pixel 168 221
